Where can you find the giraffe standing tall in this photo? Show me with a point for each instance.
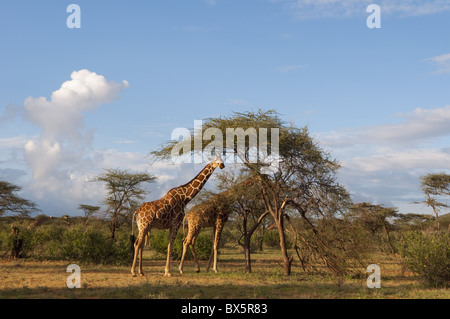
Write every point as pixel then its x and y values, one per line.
pixel 213 212
pixel 168 213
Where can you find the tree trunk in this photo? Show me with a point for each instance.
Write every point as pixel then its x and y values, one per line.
pixel 287 260
pixel 114 224
pixel 388 237
pixel 248 262
pixel 437 219
pixel 247 234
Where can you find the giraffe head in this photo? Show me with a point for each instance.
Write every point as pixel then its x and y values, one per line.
pixel 218 162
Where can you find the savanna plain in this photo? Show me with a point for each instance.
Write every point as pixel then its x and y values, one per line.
pixel 23 278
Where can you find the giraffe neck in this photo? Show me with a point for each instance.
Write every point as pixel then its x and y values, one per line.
pixel 196 184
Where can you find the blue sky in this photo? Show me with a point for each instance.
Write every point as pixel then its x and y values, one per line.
pixel 377 99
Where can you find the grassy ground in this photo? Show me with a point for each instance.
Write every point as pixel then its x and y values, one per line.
pixel 33 279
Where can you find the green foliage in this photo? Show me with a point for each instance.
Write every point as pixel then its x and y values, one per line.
pixel 428 256
pixel 159 241
pixel 55 241
pixel 10 202
pixel 336 243
pixel 271 239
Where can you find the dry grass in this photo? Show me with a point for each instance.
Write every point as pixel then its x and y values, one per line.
pixel 33 279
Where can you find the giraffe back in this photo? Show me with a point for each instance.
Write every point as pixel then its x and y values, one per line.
pixel 163 212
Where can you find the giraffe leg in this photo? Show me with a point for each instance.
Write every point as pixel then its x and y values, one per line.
pixel 172 234
pixel 219 228
pixel 194 254
pixel 185 244
pixel 141 249
pixel 208 265
pixel 137 250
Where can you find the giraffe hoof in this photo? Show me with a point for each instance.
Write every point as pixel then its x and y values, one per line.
pixel 133 275
pixel 142 274
pixel 168 275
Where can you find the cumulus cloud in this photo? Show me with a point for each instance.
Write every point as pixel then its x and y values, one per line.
pixel 60 161
pixel 57 157
pixel 62 115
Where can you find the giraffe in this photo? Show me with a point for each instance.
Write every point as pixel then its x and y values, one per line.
pixel 214 212
pixel 168 213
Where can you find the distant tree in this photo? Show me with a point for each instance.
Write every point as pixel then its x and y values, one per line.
pixel 124 193
pixel 12 203
pixel 435 186
pixel 374 218
pixel 88 210
pixel 408 222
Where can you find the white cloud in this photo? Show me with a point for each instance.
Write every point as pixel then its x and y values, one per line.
pixel 58 157
pixel 314 9
pixel 383 163
pixel 390 159
pixel 442 63
pixel 62 116
pixel 61 159
pixel 418 126
pixel 12 142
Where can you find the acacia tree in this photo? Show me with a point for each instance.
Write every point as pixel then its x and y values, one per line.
pixel 303 176
pixel 88 210
pixel 124 193
pixel 11 202
pixel 434 187
pixel 375 217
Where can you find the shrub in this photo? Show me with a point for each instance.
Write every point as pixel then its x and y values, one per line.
pixel 81 244
pixel 7 240
pixel 93 246
pixel 271 239
pixel 428 256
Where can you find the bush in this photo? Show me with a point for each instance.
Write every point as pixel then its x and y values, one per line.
pixel 7 240
pixel 271 239
pixel 81 244
pixel 93 246
pixel 428 256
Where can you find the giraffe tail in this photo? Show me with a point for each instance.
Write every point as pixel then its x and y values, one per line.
pixel 184 227
pixel 132 237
